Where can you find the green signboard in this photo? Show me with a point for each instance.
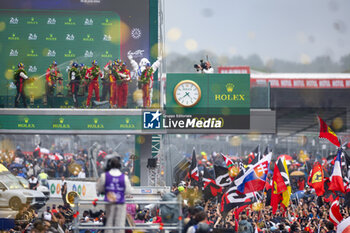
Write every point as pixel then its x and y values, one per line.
pixel 37 38
pixel 220 94
pixel 207 101
pixel 70 122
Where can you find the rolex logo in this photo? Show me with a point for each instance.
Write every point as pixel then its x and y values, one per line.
pixel 61 119
pixel 26 120
pixel 127 120
pixel 229 87
pixel 95 125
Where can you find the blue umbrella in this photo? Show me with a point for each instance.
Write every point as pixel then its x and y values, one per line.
pixel 15 165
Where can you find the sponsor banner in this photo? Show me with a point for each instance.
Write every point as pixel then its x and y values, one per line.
pixel 68 122
pixel 234 70
pixel 86 190
pixel 302 83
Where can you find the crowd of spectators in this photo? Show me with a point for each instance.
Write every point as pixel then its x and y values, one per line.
pixel 55 165
pixel 306 214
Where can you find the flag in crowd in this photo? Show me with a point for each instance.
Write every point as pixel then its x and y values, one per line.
pixel 334 213
pixel 222 177
pixel 229 165
pixel 316 179
pixel 194 171
pixel 337 183
pixel 210 187
pixel 232 199
pixel 328 133
pixel 254 155
pixel 247 187
pixel 255 177
pixel 281 185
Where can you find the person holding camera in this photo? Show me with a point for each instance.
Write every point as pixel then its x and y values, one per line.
pixel 115 185
pixel 204 67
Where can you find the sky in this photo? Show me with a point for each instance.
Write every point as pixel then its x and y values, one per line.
pixel 293 30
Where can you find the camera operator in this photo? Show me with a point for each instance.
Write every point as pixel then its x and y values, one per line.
pixel 204 67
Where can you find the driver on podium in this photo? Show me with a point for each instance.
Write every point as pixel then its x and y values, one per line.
pixel 115 185
pixel 20 76
pixel 92 75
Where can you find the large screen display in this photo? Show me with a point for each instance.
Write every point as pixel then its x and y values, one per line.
pixel 38 32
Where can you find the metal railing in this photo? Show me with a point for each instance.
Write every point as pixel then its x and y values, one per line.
pixel 77 225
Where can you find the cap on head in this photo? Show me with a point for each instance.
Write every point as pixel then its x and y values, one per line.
pixel 20 65
pixel 54 63
pixel 94 62
pixel 148 64
pixel 75 64
pixel 82 64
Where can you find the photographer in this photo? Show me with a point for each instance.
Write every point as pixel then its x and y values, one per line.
pixel 204 67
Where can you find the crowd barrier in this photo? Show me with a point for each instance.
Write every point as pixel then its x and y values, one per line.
pixel 164 227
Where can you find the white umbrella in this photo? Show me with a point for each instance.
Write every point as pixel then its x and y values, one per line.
pixel 44 151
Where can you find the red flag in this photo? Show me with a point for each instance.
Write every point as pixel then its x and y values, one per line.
pixel 328 133
pixel 254 155
pixel 210 188
pixel 336 179
pixel 229 165
pixel 316 179
pixel 329 196
pixel 237 212
pixel 37 152
pixel 334 213
pixel 281 190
